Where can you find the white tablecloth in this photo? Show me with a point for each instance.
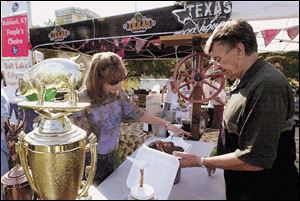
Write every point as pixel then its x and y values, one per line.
pixel 194 184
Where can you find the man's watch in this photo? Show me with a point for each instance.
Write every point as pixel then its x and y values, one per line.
pixel 202 159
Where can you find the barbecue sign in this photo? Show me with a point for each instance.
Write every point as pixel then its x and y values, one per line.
pixel 202 16
pixel 139 24
pixel 58 34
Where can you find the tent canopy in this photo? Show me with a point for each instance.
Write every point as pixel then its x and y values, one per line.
pixel 115 33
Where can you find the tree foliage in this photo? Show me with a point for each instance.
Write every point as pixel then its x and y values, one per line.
pixel 55 22
pixel 148 68
pixel 162 68
pixel 289 61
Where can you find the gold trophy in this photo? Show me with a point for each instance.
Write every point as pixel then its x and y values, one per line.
pixel 53 155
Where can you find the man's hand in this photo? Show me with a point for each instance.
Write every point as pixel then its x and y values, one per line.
pixel 187 159
pixel 210 171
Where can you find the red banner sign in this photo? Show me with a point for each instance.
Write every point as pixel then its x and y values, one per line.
pixel 15 36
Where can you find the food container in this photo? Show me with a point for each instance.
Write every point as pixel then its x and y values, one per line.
pixel 178 141
pixel 159 173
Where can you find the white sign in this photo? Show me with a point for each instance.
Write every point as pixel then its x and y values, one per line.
pixel 202 16
pixel 10 8
pixel 10 67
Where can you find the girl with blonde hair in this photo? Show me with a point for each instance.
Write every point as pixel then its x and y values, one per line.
pixel 109 106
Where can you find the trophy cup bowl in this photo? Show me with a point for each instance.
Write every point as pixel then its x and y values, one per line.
pixel 54 162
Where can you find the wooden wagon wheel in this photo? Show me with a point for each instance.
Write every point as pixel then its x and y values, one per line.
pixel 189 78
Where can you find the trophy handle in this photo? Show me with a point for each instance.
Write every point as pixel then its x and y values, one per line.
pixel 92 170
pixel 21 149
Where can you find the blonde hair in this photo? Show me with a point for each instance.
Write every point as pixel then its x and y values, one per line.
pixel 106 67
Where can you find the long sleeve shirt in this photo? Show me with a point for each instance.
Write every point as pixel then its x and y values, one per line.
pixel 104 119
